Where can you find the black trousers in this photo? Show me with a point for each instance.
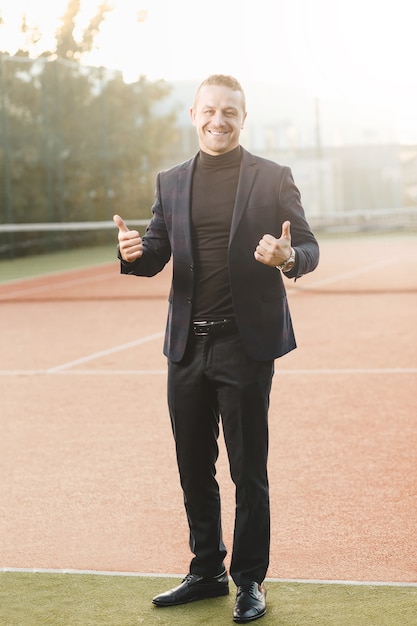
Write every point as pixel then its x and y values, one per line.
pixel 217 379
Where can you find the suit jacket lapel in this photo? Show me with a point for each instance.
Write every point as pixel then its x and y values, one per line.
pixel 247 176
pixel 182 213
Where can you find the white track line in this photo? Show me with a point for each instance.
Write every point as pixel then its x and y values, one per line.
pixel 62 370
pixel 349 371
pixel 81 372
pixel 347 275
pixel 377 583
pixel 97 355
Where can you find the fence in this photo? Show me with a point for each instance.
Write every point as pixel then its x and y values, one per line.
pixel 76 143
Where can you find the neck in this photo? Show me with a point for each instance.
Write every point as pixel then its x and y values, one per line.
pixel 227 158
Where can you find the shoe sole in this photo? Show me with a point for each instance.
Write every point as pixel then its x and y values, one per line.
pixel 204 595
pixel 237 620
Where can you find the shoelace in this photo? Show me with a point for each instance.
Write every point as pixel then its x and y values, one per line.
pixel 189 578
pixel 248 588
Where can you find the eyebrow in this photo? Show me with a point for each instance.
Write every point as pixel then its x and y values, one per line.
pixel 226 108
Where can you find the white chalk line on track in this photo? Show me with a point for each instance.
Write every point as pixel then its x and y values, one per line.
pixel 29 570
pixel 304 372
pixel 351 274
pixel 97 355
pixel 312 372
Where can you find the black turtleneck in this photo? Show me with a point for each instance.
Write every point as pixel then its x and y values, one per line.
pixel 213 197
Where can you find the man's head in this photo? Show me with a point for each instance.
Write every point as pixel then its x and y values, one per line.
pixel 218 113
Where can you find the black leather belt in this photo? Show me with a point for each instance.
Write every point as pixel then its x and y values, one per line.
pixel 214 327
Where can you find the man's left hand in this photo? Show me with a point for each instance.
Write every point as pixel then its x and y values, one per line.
pixel 272 251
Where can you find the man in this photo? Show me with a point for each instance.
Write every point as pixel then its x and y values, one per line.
pixel 233 223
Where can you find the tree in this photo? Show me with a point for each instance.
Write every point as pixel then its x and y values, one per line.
pixel 79 143
pixel 66 45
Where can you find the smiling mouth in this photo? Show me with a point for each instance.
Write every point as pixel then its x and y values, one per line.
pixel 217 133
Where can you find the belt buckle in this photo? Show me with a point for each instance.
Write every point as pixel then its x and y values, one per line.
pixel 198 332
pixel 201 329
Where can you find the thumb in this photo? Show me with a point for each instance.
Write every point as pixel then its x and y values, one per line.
pixel 286 230
pixel 120 224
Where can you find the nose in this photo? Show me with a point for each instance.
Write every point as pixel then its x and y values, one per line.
pixel 218 119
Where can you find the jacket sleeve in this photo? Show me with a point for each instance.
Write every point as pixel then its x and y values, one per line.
pixel 302 239
pixel 156 244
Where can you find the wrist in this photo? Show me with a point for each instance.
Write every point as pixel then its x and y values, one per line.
pixel 288 265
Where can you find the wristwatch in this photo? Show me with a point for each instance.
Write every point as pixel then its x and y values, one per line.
pixel 289 263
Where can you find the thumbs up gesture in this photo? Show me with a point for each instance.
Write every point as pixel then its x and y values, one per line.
pixel 272 251
pixel 130 242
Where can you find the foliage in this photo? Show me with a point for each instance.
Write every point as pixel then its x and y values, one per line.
pixel 77 143
pixel 67 46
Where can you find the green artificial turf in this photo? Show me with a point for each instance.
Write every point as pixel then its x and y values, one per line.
pixel 27 267
pixel 39 599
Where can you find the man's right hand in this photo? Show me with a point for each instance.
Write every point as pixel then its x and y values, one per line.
pixel 130 242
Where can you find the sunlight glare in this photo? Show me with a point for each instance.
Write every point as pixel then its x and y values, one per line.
pixel 352 50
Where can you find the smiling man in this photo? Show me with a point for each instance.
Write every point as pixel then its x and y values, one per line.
pixel 218 115
pixel 234 225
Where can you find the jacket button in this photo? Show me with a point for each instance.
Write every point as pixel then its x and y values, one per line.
pixel 189 300
pixel 192 268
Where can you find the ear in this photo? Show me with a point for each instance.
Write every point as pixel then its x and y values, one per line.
pixel 192 116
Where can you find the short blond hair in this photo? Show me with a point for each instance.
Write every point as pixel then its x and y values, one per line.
pixel 222 80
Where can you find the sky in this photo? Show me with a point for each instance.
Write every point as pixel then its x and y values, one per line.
pixel 350 50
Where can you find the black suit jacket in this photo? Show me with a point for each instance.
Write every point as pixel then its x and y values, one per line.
pixel 266 197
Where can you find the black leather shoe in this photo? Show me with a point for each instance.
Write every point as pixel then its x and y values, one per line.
pixel 194 587
pixel 250 603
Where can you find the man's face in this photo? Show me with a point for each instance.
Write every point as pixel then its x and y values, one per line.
pixel 218 116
